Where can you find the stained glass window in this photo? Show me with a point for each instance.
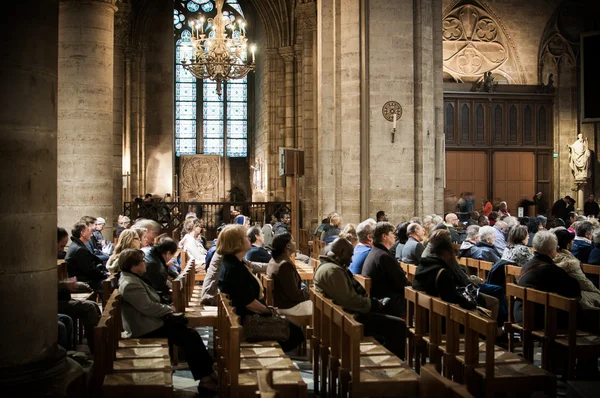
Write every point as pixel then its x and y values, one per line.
pixel 203 120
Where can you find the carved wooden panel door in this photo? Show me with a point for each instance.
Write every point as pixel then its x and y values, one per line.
pixel 466 172
pixel 513 178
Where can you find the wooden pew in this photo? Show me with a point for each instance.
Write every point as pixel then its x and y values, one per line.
pixel 197 314
pixel 365 282
pixel 473 266
pixel 484 268
pixel 61 268
pixel 434 385
pixel 511 273
pixel 303 239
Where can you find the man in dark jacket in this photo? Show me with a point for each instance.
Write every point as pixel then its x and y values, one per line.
pixel 387 278
pixel 466 248
pixel 582 245
pixel 413 248
pixel 334 280
pixel 542 274
pixel 559 208
pixel 157 271
pixel 81 263
pixel 282 225
pixel 257 253
pixel 591 208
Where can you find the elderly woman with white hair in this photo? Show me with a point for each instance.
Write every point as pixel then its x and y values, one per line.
pixel 485 249
pixel 543 274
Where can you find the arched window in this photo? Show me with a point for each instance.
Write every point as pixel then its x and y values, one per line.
pixel 205 123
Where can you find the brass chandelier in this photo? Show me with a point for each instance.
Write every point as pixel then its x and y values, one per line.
pixel 218 57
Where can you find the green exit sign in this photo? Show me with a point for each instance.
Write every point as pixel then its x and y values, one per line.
pixel 555 155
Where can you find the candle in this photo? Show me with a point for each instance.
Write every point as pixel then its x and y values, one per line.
pixel 393 120
pixel 253 49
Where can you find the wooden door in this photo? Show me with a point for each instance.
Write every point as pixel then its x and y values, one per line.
pixel 513 178
pixel 466 171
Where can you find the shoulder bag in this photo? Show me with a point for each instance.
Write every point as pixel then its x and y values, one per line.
pixel 269 327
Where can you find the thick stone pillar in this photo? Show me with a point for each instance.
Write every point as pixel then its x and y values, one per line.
pixel 85 117
pixel 122 27
pixel 29 359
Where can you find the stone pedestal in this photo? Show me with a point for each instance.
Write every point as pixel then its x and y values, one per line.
pixel 29 358
pixel 85 117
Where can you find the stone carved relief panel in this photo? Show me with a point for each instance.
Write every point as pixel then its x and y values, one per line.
pixel 200 178
pixel 475 42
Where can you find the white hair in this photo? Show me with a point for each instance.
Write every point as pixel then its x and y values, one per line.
pixel 511 221
pixel 545 242
pixel 438 220
pixel 472 231
pixel 487 233
pixel 364 229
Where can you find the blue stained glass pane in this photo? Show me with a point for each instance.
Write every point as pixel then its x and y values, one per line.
pixel 186 35
pixel 185 92
pixel 213 110
pixel 178 26
pixel 185 110
pixel 185 129
pixel 213 146
pixel 242 80
pixel 192 7
pixel 234 4
pixel 237 111
pixel 237 129
pixel 237 92
pixel 237 148
pixel 207 7
pixel 213 129
pixel 210 92
pixel 182 75
pixel 185 147
pixel 201 1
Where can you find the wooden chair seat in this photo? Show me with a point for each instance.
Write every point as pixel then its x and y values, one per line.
pixel 83 296
pixel 245 344
pixel 379 361
pixel 384 381
pixel 141 365
pixel 135 384
pixel 281 379
pixel 258 363
pixel 131 343
pixel 501 356
pixel 142 352
pixel 368 348
pixel 585 339
pixel 262 352
pixel 519 369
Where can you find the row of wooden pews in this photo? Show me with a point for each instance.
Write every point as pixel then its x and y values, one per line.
pixel 186 299
pixel 240 362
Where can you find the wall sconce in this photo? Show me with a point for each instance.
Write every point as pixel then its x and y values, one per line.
pixel 392 111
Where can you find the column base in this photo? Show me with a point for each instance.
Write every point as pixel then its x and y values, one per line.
pixel 55 375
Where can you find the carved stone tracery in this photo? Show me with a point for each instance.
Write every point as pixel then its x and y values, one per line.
pixel 200 178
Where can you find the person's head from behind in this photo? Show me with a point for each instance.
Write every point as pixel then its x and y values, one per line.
pixel 233 241
pixel 511 221
pixel 167 248
pixel 524 221
pixel 564 238
pixel 473 233
pixel 401 232
pixel 256 236
pixel 341 251
pixel 475 215
pixel 90 221
pixel 364 232
pixel 437 220
pixel 62 238
pixel 517 236
pixel 132 260
pixel 502 206
pixel 440 244
pixel 487 234
pixel 129 239
pixel 546 243
pixel 152 230
pixel 572 216
pixel 336 221
pixel 82 232
pixel 534 225
pixel 415 231
pixel 493 216
pixel 451 219
pixel 148 197
pixel 381 216
pixel 383 234
pixel 482 221
pixel 349 233
pixel 283 245
pixel 502 226
pixel 584 229
pixel 271 219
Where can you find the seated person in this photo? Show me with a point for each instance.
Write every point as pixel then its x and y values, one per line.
pixel 349 233
pixel 157 270
pixel 452 222
pixel 81 263
pixel 283 223
pixel 242 286
pixel 485 249
pixel 94 245
pixel 62 238
pixel 401 239
pixel 413 249
pixel 594 257
pixel 288 294
pixel 582 245
pixel 86 311
pixel 542 274
pixel 517 251
pixel 335 281
pixel 267 230
pixel 124 223
pixel 192 245
pixel 387 278
pixel 129 239
pixel 334 230
pixel 466 248
pixel 145 317
pixel 65 332
pixel 364 231
pixel 500 232
pixel 257 253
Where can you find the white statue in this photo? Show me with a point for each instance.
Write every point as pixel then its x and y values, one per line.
pixel 579 159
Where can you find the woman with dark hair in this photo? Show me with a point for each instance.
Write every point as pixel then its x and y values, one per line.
pixel 242 286
pixel 144 316
pixel 533 226
pixel 401 239
pixel 288 294
pixel 516 250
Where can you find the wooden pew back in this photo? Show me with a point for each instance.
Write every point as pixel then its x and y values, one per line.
pixel 365 282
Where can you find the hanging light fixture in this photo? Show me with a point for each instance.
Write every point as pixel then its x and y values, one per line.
pixel 219 57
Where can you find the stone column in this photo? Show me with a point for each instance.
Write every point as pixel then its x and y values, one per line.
pixel 85 117
pixel 30 359
pixel 287 54
pixel 122 27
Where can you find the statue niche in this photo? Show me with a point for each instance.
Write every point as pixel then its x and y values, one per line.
pixel 579 159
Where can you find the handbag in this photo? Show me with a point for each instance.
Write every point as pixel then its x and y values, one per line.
pixel 266 327
pixel 176 320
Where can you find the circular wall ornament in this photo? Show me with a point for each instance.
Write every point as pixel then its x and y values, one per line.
pixel 390 109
